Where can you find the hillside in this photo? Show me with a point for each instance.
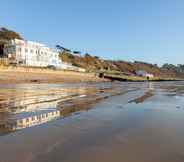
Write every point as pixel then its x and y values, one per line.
pixel 94 63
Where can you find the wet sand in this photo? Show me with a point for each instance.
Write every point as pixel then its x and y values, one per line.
pixel 115 129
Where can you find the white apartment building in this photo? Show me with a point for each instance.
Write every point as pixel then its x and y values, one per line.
pixel 31 54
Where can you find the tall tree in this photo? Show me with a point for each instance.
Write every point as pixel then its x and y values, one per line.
pixel 5 36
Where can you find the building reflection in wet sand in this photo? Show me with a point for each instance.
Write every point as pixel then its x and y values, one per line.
pixel 22 107
pixel 21 119
pixel 31 120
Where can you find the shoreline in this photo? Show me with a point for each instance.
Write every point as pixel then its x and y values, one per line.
pixel 18 75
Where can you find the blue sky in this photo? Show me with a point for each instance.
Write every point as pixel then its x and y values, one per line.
pixel 145 30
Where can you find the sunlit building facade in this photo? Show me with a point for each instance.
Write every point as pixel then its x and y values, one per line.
pixel 31 54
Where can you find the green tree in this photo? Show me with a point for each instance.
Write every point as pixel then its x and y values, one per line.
pixel 5 36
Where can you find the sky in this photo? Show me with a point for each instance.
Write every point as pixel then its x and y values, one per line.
pixel 143 30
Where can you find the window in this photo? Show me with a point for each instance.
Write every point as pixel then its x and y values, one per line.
pixel 26 50
pixel 13 48
pixel 31 51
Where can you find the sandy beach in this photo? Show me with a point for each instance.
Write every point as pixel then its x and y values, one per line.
pixel 30 75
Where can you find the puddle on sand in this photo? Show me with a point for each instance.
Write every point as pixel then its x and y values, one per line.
pixel 27 105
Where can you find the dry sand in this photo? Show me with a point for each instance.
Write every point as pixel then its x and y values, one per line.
pixel 30 75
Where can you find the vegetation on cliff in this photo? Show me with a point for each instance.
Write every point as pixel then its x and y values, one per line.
pixel 6 35
pixel 94 63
